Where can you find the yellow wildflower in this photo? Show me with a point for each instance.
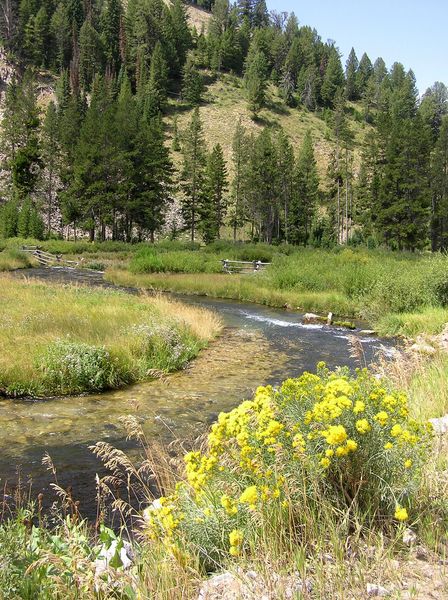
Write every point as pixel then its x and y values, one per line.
pixel 408 464
pixel 335 434
pixel 351 445
pixel 325 462
pixel 236 537
pixel 359 407
pixel 381 417
pixel 401 514
pixel 396 430
pixel 250 496
pixel 388 446
pixel 229 505
pixel 363 426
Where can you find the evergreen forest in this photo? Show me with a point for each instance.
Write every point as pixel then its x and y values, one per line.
pixel 103 134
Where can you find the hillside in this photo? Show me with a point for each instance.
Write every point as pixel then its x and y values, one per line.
pixel 225 103
pixel 328 153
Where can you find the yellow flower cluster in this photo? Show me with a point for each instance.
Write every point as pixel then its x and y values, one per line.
pixel 340 428
pixel 236 538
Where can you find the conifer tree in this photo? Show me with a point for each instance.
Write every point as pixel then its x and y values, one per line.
pixel 239 157
pixel 111 19
pixel 214 203
pixel 193 172
pixel 90 54
pixel 156 92
pixel 306 193
pixel 51 163
pixel 351 76
pixel 333 79
pixel 193 85
pixel 285 174
pixel 439 189
pixel 9 217
pixel 255 81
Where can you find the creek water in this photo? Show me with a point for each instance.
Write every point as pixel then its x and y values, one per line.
pixel 259 346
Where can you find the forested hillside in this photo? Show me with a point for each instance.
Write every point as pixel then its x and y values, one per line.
pixel 140 118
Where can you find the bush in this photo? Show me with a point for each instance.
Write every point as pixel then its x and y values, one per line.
pixel 148 260
pixel 163 347
pixel 327 441
pixel 74 367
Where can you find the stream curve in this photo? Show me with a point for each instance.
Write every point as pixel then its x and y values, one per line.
pixel 259 346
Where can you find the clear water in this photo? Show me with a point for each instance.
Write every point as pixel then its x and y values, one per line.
pixel 260 345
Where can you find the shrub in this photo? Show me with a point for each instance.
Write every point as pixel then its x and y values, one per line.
pixel 162 346
pixel 73 367
pixel 326 440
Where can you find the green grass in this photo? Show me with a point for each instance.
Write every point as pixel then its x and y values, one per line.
pixel 12 259
pixel 61 339
pixel 398 293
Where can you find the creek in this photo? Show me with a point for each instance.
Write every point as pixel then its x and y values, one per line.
pixel 259 346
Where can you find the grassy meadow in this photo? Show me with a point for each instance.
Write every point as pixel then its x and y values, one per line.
pixel 63 340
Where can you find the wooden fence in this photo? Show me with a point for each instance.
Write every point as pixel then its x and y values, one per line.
pixel 243 267
pixel 46 259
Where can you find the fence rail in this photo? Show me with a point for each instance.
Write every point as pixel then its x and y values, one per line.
pixel 46 259
pixel 243 267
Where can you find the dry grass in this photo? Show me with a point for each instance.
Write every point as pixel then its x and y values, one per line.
pixel 225 104
pixel 35 316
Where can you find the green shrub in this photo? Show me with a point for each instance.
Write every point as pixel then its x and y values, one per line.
pixel 326 444
pixel 72 367
pixel 162 347
pixel 149 260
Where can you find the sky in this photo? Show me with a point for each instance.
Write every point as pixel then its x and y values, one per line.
pixel 412 32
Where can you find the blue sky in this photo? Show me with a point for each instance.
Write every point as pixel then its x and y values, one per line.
pixel 412 32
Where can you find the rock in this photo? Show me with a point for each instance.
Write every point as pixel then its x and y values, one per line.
pixel 377 591
pixel 367 332
pixel 311 318
pixel 423 348
pixel 330 319
pixel 440 426
pixel 251 585
pixel 409 537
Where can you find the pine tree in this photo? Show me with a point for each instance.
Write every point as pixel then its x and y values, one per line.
pixel 181 31
pixel 194 162
pixel 365 71
pixel 90 54
pixel 333 79
pixel 20 143
pixel 285 172
pixel 61 31
pixel 239 157
pixel 156 91
pixel 51 161
pixel 439 189
pixel 214 203
pixel 111 19
pixel 351 76
pixel 193 84
pixel 305 194
pixel 263 181
pixel 9 217
pixel 255 81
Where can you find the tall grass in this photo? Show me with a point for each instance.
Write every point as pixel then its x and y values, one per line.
pixel 399 293
pixel 56 339
pixel 12 259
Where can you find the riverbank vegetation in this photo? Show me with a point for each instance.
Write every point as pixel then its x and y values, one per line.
pixel 398 293
pixel 63 340
pixel 321 480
